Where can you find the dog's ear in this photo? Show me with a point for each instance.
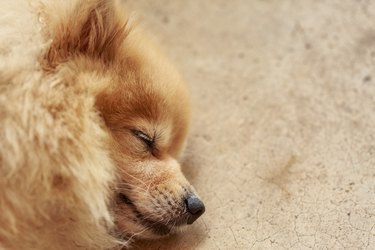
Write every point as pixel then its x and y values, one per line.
pixel 92 28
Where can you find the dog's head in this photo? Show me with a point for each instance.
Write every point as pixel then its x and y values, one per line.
pixel 149 120
pixel 145 108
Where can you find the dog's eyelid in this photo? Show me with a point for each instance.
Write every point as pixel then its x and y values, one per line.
pixel 150 142
pixel 142 135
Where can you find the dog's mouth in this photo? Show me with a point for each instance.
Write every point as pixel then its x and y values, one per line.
pixel 156 227
pixel 159 227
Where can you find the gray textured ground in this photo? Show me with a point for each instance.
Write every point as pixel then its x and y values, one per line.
pixel 282 147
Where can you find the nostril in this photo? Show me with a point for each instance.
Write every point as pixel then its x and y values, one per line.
pixel 195 207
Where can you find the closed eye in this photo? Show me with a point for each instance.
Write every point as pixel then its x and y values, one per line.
pixel 146 139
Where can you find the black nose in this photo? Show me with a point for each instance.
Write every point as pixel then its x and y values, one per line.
pixel 195 208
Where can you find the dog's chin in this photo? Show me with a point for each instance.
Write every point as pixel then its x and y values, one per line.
pixel 158 231
pixel 148 229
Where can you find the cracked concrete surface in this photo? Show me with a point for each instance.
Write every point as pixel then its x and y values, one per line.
pixel 282 147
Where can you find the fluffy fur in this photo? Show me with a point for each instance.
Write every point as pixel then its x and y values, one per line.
pixel 92 119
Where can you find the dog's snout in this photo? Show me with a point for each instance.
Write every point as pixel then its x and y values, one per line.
pixel 195 207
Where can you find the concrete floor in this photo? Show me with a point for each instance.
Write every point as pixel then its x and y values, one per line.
pixel 282 148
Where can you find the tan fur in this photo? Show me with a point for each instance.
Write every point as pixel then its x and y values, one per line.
pixel 77 81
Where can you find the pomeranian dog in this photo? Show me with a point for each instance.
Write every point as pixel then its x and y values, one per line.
pixel 92 120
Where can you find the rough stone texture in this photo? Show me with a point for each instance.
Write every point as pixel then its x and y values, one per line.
pixel 282 147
